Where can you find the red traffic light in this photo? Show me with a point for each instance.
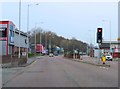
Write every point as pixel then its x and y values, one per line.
pixel 99 30
pixel 99 35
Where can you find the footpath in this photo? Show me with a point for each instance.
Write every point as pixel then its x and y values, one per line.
pixel 91 60
pixel 9 71
pixel 12 65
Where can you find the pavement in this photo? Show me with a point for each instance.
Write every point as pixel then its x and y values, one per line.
pixel 11 65
pixel 91 60
pixel 9 71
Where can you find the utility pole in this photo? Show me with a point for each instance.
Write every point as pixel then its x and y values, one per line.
pixel 40 40
pixel 19 26
pixel 27 30
pixel 109 21
pixel 35 41
pixel 99 53
pixel 46 41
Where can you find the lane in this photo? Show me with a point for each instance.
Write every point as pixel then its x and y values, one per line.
pixel 43 73
pixel 59 72
pixel 89 75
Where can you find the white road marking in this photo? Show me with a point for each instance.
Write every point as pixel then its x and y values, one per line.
pixel 103 67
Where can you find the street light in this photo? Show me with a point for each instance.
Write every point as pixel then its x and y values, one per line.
pixel 92 43
pixel 46 41
pixel 19 25
pixel 92 31
pixel 28 24
pixel 40 34
pixel 110 30
pixel 67 45
pixel 50 43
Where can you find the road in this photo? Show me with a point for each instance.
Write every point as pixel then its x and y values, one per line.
pixel 60 72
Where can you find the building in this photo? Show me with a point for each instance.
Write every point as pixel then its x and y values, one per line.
pixel 10 41
pixel 105 48
pixel 111 47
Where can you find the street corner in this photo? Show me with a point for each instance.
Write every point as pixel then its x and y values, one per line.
pixel 28 63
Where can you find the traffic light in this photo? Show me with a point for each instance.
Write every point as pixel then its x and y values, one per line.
pixel 99 35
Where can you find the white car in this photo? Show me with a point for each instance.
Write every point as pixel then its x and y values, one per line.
pixel 51 55
pixel 109 57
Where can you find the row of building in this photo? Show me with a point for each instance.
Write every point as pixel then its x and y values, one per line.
pixel 112 47
pixel 11 39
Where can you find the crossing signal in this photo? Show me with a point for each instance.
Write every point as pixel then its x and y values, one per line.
pixel 99 35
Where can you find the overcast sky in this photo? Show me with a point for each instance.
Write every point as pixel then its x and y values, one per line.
pixel 67 19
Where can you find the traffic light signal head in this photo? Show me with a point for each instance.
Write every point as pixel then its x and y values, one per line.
pixel 99 30
pixel 99 35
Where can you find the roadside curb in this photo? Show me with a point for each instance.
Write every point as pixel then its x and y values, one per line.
pixel 92 63
pixel 17 73
pixel 27 64
pixel 78 60
pixel 13 66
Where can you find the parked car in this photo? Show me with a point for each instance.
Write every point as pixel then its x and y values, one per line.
pixel 56 54
pixel 51 55
pixel 109 57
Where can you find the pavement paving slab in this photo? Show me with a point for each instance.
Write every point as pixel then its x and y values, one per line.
pixel 9 72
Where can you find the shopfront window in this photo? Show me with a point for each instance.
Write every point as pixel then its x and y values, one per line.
pixel 3 32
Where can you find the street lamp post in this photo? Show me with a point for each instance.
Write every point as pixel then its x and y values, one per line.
pixel 40 33
pixel 19 26
pixel 46 41
pixel 92 42
pixel 40 39
pixel 67 45
pixel 35 41
pixel 28 26
pixel 110 34
pixel 27 29
pixel 50 43
pixel 52 38
pixel 110 30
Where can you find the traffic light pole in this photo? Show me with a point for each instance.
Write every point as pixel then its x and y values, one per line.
pixel 99 41
pixel 99 53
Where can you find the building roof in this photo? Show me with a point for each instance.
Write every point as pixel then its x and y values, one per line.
pixel 105 46
pixel 21 32
pixel 112 42
pixel 6 22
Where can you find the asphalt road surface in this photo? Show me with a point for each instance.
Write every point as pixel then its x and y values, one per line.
pixel 60 72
